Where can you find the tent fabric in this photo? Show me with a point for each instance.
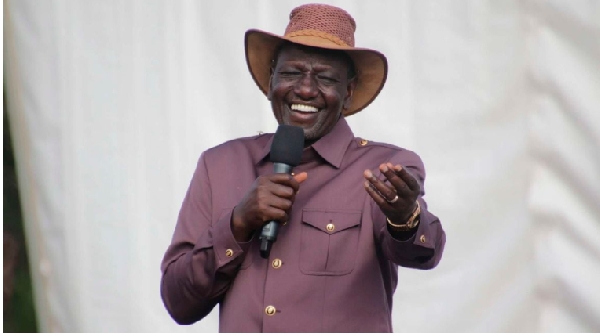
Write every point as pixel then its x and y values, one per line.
pixel 111 103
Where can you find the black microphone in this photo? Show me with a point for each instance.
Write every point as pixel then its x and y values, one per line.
pixel 286 152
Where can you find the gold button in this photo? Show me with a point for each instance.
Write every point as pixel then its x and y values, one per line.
pixel 330 227
pixel 229 252
pixel 276 263
pixel 283 223
pixel 270 310
pixel 364 142
pixel 422 238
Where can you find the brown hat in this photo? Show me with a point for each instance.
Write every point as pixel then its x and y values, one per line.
pixel 323 26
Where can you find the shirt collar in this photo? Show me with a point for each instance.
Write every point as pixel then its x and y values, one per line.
pixel 331 147
pixel 334 144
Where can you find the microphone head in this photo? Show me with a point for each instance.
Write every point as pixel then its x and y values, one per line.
pixel 287 145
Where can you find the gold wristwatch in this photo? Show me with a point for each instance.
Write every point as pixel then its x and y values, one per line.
pixel 410 224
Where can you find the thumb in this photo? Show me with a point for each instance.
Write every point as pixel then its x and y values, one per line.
pixel 300 177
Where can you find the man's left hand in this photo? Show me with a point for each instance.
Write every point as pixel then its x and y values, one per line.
pixel 398 199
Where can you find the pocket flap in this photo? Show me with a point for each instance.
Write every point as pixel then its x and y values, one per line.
pixel 339 221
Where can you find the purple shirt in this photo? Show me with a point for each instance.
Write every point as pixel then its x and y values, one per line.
pixel 319 277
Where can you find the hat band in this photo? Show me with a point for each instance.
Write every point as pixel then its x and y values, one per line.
pixel 317 33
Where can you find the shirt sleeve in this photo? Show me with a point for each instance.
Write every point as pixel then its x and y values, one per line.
pixel 203 258
pixel 424 249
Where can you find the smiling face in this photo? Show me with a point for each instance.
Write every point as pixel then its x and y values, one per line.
pixel 309 88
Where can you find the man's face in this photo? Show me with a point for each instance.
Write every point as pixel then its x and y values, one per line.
pixel 309 88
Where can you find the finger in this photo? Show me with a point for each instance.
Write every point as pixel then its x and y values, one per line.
pixel 276 214
pixel 301 177
pixel 285 179
pixel 408 178
pixel 379 200
pixel 280 203
pixel 384 190
pixel 281 190
pixel 388 171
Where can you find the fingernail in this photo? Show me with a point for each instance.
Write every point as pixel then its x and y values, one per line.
pixel 366 184
pixel 383 168
pixel 368 174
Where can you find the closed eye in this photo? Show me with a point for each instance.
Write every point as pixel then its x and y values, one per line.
pixel 328 80
pixel 290 73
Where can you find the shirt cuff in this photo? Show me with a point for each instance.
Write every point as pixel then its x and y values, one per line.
pixel 227 249
pixel 423 237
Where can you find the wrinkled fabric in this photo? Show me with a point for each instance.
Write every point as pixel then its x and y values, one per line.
pixel 339 280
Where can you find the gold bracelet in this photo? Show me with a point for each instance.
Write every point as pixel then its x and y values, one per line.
pixel 411 223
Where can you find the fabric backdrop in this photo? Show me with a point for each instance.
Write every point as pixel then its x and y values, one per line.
pixel 111 103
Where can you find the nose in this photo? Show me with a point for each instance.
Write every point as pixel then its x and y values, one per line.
pixel 306 87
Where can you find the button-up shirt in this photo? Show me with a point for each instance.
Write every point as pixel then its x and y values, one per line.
pixel 334 265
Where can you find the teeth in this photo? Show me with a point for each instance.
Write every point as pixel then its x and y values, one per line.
pixel 304 108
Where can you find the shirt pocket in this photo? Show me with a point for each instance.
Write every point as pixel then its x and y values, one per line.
pixel 329 241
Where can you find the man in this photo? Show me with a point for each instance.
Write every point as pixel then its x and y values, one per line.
pixel 351 211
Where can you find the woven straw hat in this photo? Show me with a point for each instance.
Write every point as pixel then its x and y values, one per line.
pixel 323 26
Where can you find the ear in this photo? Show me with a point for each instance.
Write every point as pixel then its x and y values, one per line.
pixel 349 92
pixel 269 93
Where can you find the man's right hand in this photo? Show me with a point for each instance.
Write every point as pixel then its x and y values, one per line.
pixel 269 198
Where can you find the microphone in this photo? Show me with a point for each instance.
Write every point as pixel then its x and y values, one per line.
pixel 286 152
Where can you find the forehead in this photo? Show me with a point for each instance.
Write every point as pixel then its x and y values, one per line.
pixel 298 53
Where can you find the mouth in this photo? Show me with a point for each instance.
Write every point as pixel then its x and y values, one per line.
pixel 303 108
pixel 303 113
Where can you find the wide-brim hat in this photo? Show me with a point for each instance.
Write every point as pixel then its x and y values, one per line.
pixel 322 26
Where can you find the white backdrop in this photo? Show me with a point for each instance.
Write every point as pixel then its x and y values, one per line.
pixel 111 103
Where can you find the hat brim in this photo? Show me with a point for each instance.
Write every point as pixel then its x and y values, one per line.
pixel 370 65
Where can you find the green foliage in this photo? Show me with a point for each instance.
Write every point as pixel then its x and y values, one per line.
pixel 19 313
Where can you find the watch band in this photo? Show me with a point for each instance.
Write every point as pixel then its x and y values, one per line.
pixel 410 224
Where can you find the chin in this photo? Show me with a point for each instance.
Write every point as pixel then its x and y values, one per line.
pixel 310 134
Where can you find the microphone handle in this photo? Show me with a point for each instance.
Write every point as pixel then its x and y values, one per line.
pixel 269 232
